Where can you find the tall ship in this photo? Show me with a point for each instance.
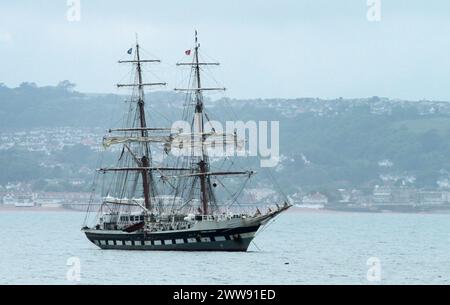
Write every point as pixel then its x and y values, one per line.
pixel 179 203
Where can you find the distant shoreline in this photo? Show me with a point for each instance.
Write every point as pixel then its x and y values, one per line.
pixel 4 208
pixel 293 210
pixel 33 209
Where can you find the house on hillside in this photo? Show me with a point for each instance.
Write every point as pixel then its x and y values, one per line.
pixel 315 199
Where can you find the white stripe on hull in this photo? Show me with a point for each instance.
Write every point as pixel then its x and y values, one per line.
pixel 237 242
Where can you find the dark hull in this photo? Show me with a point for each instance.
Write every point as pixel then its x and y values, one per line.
pixel 234 239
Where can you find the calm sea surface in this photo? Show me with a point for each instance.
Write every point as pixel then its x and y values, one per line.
pixel 298 248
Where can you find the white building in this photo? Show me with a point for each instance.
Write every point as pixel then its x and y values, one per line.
pixel 315 199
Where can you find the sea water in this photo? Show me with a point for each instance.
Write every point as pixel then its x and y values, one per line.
pixel 298 248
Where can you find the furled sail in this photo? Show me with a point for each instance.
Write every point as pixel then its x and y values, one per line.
pixel 208 142
pixel 112 140
pixel 184 142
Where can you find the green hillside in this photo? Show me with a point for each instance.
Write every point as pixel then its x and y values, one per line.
pixel 325 144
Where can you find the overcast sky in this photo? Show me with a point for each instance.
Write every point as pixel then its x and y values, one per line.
pixel 267 48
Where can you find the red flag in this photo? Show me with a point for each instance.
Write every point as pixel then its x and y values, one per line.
pixel 187 52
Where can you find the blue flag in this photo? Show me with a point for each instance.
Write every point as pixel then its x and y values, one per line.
pixel 130 51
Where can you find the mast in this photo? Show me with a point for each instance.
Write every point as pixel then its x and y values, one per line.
pixel 144 162
pixel 203 164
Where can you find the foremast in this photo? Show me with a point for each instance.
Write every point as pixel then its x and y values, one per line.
pixel 203 163
pixel 203 167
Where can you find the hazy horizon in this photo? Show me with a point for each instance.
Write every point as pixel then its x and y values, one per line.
pixel 282 49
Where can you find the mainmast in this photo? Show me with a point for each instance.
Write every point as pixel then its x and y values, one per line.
pixel 145 160
pixel 146 156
